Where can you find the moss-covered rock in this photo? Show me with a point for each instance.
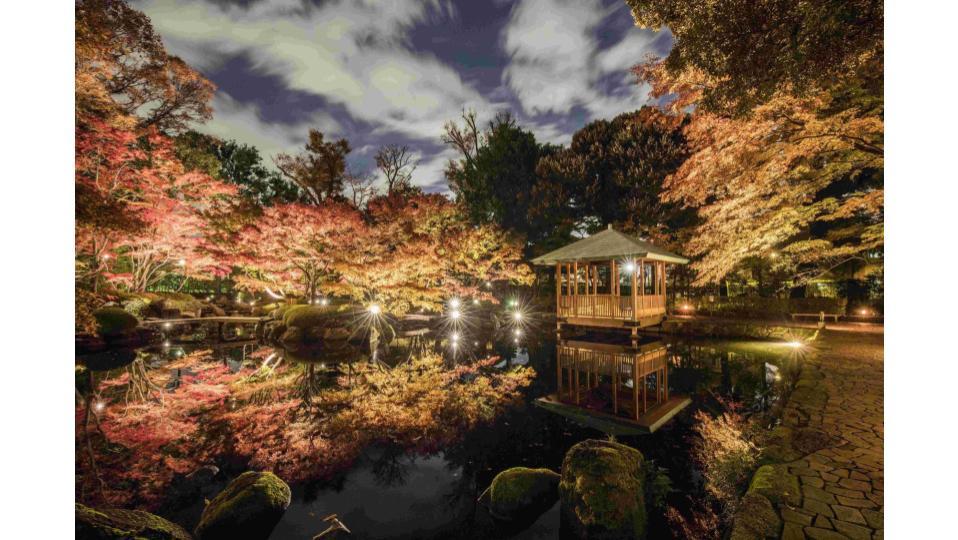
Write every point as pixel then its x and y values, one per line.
pixel 313 324
pixel 776 484
pixel 114 321
pixel 115 524
pixel 249 507
pixel 305 316
pixel 601 491
pixel 521 493
pixel 755 518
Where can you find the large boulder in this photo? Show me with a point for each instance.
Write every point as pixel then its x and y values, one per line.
pixel 521 493
pixel 313 324
pixel 114 321
pixel 115 524
pixel 601 491
pixel 249 507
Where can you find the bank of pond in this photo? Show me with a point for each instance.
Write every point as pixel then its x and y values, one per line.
pixel 440 431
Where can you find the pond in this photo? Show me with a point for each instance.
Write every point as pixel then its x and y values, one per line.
pixel 399 443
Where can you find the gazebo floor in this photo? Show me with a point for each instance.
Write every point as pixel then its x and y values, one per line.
pixel 611 424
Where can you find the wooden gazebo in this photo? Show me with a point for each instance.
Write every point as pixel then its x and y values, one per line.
pixel 614 388
pixel 610 279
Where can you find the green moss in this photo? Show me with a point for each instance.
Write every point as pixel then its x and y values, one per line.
pixel 115 524
pixel 602 490
pixel 521 492
pixel 180 301
pixel 755 518
pixel 112 321
pixel 305 316
pixel 775 484
pixel 249 507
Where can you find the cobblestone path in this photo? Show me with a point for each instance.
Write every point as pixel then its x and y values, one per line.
pixel 826 479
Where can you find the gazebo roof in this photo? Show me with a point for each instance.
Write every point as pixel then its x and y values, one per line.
pixel 606 245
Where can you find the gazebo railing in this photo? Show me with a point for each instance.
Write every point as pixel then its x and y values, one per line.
pixel 608 306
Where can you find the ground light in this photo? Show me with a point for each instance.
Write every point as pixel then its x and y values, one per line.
pixel 794 344
pixel 375 309
pixel 455 303
pixel 455 314
pixel 517 316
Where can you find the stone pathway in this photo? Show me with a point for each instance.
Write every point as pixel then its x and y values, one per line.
pixel 826 476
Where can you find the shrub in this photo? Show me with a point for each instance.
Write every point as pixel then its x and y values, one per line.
pixel 754 307
pixel 725 454
pixel 85 303
pixel 112 321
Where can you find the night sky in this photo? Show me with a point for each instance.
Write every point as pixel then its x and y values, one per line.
pixel 380 72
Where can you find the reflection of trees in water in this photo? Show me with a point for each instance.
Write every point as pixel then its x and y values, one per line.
pixel 140 387
pixel 90 401
pixel 388 469
pixel 311 381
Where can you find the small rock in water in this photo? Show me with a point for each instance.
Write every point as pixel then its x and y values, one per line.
pixel 521 492
pixel 601 491
pixel 249 508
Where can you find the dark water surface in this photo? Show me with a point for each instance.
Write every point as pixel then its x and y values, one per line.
pixel 392 493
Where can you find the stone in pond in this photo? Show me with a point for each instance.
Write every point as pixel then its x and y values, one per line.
pixel 249 508
pixel 601 491
pixel 116 524
pixel 521 493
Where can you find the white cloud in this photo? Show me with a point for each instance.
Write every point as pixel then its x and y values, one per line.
pixel 556 62
pixel 351 52
pixel 431 170
pixel 240 121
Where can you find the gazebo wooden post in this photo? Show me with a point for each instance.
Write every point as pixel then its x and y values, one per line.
pixel 615 384
pixel 635 387
pixel 665 380
pixel 558 282
pixel 575 290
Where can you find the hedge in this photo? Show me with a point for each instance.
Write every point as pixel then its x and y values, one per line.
pixel 760 308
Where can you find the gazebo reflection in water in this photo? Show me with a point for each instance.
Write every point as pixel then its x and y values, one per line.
pixel 615 388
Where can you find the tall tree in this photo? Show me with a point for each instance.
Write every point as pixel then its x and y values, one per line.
pixel 787 132
pixel 420 250
pixel 297 247
pixel 360 188
pixel 238 164
pixel 739 55
pixel 495 174
pixel 121 64
pixel 397 165
pixel 612 172
pixel 162 210
pixel 320 170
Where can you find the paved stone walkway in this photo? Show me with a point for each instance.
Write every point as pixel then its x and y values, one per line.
pixel 825 479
